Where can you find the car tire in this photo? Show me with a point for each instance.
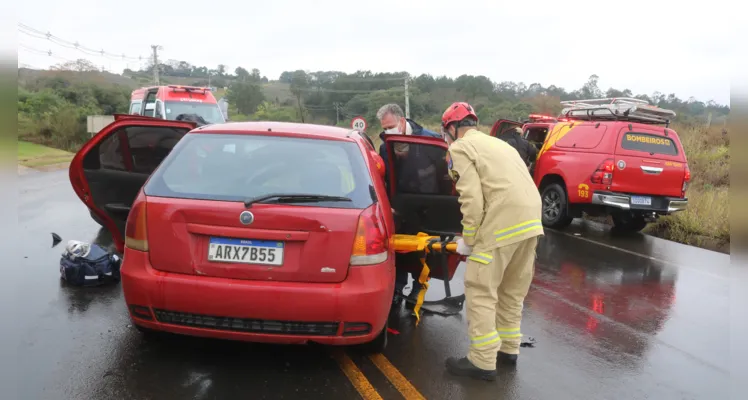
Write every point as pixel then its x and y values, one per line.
pixel 378 344
pixel 628 223
pixel 555 206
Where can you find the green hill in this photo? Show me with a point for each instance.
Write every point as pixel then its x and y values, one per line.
pixel 27 77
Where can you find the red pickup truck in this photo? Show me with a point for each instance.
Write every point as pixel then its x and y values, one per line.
pixel 616 157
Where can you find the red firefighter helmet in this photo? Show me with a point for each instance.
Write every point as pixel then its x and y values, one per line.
pixel 457 112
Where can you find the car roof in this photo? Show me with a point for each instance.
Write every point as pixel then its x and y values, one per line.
pixel 292 128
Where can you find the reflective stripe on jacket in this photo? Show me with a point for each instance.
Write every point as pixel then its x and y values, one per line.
pixel 499 202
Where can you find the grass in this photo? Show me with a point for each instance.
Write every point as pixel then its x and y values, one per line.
pixel 706 221
pixel 35 155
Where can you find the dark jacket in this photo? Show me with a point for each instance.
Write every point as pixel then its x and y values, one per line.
pixel 416 172
pixel 526 150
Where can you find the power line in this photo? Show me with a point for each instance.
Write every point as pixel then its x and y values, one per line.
pixel 33 32
pixel 42 52
pixel 347 91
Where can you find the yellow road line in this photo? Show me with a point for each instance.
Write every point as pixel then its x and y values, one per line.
pixel 397 379
pixel 357 378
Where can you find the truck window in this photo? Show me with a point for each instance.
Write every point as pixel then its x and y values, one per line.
pixel 647 143
pixel 536 136
pixel 135 108
pixel 150 104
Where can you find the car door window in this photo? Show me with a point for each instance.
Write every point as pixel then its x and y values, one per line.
pixel 110 154
pixel 149 145
pixel 421 169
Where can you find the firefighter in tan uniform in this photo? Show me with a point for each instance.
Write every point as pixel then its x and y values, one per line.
pixel 501 212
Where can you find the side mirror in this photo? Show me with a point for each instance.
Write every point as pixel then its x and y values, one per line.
pixel 379 162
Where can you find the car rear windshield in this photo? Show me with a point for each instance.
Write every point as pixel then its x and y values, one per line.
pixel 229 167
pixel 647 143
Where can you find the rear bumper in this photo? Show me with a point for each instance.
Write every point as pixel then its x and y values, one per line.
pixel 258 311
pixel 660 204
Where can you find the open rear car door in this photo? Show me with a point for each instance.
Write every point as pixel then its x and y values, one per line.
pixel 425 200
pixel 110 169
pixel 503 125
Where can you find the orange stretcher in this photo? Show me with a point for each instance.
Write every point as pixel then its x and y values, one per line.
pixel 441 245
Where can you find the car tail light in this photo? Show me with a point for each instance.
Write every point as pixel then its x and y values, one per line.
pixel 370 245
pixel 686 179
pixel 136 237
pixel 604 173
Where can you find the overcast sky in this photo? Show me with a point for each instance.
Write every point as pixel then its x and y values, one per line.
pixel 646 46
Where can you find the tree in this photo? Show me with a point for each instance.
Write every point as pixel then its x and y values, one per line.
pixel 245 96
pixel 79 65
pixel 256 75
pixel 286 77
pixel 590 90
pixel 299 83
pixel 242 74
pixel 221 70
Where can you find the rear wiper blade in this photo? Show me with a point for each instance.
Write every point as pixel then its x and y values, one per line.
pixel 293 198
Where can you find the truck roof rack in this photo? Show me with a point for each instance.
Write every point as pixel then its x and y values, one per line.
pixel 616 109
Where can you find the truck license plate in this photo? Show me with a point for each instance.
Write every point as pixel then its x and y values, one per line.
pixel 641 200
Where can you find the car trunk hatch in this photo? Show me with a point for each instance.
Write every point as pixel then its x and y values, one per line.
pixel 650 162
pixel 257 206
pixel 277 243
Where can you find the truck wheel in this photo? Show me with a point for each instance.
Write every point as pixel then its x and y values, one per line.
pixel 628 223
pixel 378 344
pixel 555 206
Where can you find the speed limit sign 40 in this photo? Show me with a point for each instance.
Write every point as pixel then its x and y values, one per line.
pixel 359 124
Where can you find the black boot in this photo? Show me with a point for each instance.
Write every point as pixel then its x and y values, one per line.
pixel 412 297
pixel 506 359
pixel 463 367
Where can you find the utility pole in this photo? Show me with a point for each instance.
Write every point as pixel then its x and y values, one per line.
pixel 155 64
pixel 407 99
pixel 337 113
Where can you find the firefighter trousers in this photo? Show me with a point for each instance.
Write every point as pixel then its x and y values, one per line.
pixel 496 283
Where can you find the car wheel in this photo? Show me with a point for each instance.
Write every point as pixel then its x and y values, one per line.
pixel 555 207
pixel 378 344
pixel 628 223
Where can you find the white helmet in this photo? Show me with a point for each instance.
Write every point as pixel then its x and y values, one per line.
pixel 77 248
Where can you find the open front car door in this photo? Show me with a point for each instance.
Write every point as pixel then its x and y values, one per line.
pixel 109 170
pixel 425 201
pixel 502 126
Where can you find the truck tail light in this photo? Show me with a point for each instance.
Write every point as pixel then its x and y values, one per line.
pixel 686 179
pixel 371 243
pixel 136 236
pixel 604 173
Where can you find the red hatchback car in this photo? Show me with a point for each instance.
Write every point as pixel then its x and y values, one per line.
pixel 261 231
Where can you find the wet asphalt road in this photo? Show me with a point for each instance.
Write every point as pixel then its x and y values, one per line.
pixel 634 318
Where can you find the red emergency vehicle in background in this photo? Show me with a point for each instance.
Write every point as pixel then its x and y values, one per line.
pixel 613 156
pixel 177 102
